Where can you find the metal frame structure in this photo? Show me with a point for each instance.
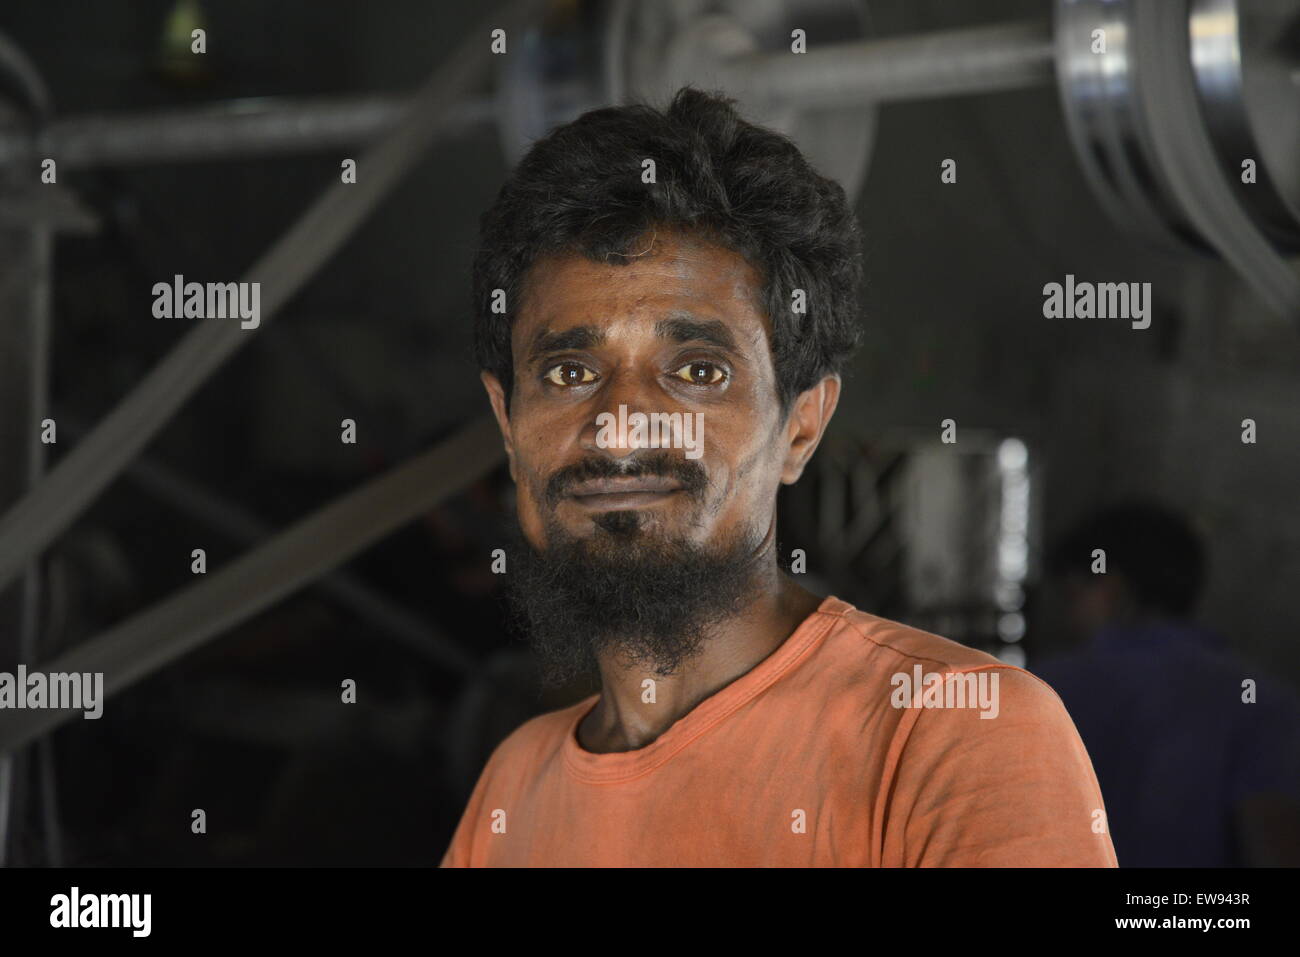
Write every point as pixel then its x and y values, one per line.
pixel 309 549
pixel 955 62
pixel 24 366
pixel 994 59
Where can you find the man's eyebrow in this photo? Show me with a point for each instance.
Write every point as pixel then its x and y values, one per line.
pixel 685 327
pixel 577 337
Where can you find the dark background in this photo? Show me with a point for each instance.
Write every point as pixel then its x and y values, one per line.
pixel 248 728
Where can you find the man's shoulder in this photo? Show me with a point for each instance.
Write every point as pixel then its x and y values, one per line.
pixel 862 649
pixel 875 642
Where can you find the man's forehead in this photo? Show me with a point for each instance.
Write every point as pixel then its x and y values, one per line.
pixel 678 326
pixel 666 289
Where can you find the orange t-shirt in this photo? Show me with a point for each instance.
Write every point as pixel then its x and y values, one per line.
pixel 838 749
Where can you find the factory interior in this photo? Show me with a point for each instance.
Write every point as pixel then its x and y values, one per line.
pixel 990 154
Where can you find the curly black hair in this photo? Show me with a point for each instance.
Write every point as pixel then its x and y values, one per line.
pixel 579 190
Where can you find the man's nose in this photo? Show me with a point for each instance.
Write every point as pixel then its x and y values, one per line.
pixel 611 430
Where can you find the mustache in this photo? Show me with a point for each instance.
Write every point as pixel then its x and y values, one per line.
pixel 659 464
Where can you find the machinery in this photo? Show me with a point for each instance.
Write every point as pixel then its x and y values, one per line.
pixel 1184 114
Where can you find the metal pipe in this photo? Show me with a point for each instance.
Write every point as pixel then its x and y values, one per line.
pixel 261 126
pixel 72 485
pixel 303 552
pixel 24 377
pixel 957 62
pixel 26 250
pixel 24 338
pixel 951 63
pixel 388 616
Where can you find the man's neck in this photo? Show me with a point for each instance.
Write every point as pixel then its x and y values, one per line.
pixel 627 717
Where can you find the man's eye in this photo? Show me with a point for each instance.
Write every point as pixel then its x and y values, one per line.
pixel 570 373
pixel 700 373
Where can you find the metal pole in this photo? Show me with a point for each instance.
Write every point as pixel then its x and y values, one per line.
pixel 185 621
pixel 73 484
pixel 262 126
pixel 388 616
pixel 24 371
pixel 951 63
pixel 25 252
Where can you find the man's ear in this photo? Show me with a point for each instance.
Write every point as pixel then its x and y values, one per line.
pixel 497 397
pixel 809 416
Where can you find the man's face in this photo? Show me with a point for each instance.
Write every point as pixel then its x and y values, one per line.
pixel 678 329
pixel 631 548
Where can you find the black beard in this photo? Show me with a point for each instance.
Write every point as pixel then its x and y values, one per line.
pixel 651 601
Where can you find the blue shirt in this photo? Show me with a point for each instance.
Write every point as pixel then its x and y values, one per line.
pixel 1159 708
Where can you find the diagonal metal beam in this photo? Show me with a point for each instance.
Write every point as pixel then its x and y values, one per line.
pixel 72 485
pixel 160 635
pixel 237 523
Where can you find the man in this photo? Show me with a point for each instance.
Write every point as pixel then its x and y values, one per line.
pixel 688 263
pixel 1198 751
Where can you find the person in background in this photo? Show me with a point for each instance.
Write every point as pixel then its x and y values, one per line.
pixel 1195 772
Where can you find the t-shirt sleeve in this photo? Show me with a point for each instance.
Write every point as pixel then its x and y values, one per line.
pixel 473 820
pixel 1013 789
pixel 458 851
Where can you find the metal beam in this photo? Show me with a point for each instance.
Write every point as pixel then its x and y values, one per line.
pixel 24 372
pixel 235 522
pixel 261 126
pixel 222 599
pixel 74 483
pixel 26 250
pixel 949 63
